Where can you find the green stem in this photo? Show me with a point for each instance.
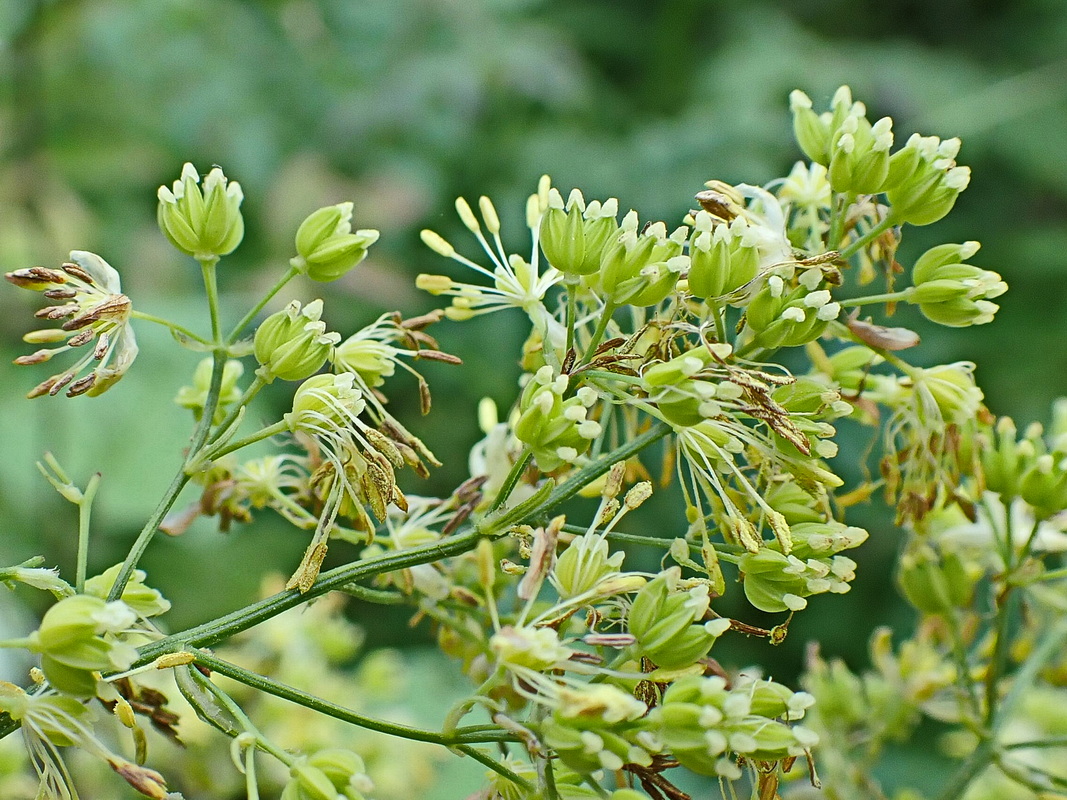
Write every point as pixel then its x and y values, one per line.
pixel 720 323
pixel 240 326
pixel 216 452
pixel 188 334
pixel 294 695
pixel 1047 647
pixel 222 628
pixel 176 486
pixel 253 389
pixel 868 237
pixel 511 480
pixel 85 510
pixel 598 334
pixel 207 267
pixel 1050 741
pixel 999 660
pixel 571 315
pixel 888 297
pixel 837 220
pixel 968 771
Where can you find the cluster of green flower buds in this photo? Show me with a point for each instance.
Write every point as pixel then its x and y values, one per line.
pixel 292 344
pixel 194 397
pixel 332 774
pixel 921 180
pixel 936 581
pixel 598 726
pixel 1033 468
pixel 682 392
pixel 854 151
pixel 723 256
pixel 924 180
pixel 952 293
pixel 778 582
pixel 781 315
pixel 80 635
pixel 667 617
pixel 95 312
pixel 701 722
pixel 556 430
pixel 642 268
pixel 574 237
pixel 84 633
pixel 203 222
pixel 325 245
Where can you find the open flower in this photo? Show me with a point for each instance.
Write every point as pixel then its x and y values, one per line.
pixel 95 311
pixel 517 283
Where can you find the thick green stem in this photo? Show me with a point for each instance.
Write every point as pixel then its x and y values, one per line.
pixel 294 695
pixel 253 389
pixel 176 486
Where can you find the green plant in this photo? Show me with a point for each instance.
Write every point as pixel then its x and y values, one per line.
pixel 596 679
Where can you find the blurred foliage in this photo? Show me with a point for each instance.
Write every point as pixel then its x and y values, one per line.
pixel 402 106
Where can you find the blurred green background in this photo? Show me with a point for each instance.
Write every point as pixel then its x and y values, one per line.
pixel 400 106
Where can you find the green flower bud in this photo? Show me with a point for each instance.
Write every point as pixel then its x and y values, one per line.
pixel 1004 460
pixel 71 638
pixel 933 583
pixel 666 622
pixel 601 229
pixel 309 783
pixel 583 565
pixel 557 431
pixel 562 234
pixel 143 599
pixel 859 163
pixel 325 245
pixel 923 180
pixel 811 131
pixel 293 344
pixel 333 397
pixel 69 680
pixel 952 293
pixel 204 223
pixel 772 582
pixel 194 397
pixel 1044 485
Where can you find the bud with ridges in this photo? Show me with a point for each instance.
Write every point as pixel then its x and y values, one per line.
pixel 325 245
pixel 562 234
pixel 811 131
pixel 202 226
pixel 293 344
pixel 666 622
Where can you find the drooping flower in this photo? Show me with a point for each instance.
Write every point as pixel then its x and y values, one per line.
pixel 96 312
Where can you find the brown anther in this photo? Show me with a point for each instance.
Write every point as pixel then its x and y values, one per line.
pixel 60 294
pixel 82 385
pixel 56 312
pixel 114 306
pixel 422 321
pixel 717 204
pixel 59 385
pixel 437 355
pixel 34 358
pixel 101 346
pixel 425 399
pixel 81 337
pixel 35 277
pixel 78 272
